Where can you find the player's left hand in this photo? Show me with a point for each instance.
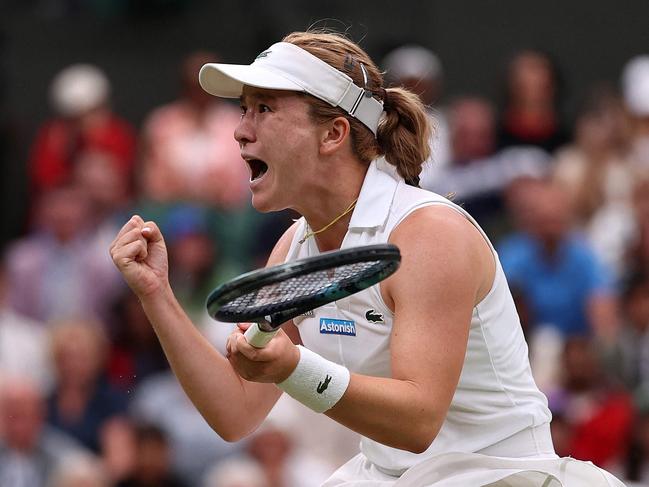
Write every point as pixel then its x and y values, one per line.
pixel 273 363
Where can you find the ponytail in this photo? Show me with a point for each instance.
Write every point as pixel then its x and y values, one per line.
pixel 404 133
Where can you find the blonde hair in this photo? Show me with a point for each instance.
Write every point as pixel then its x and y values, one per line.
pixel 404 131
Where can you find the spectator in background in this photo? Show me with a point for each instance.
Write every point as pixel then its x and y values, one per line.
pixel 160 400
pixel 596 414
pixel 287 448
pixel 61 270
pixel 473 129
pixel 83 404
pixel 107 191
pixel 530 115
pixel 84 121
pixel 635 88
pixel 477 174
pixel 420 70
pixel 29 450
pixel 284 464
pixel 80 471
pixel 189 152
pixel 471 139
pixel 312 435
pixel 631 362
pixel 153 465
pixel 558 276
pixel 595 173
pixel 189 155
pixel 106 187
pixel 593 168
pixel 23 341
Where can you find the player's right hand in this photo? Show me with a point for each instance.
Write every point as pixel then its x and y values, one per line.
pixel 140 254
pixel 273 363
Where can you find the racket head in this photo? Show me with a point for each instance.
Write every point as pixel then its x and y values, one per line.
pixel 279 293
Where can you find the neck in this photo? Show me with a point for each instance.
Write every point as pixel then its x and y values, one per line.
pixel 330 202
pixel 331 236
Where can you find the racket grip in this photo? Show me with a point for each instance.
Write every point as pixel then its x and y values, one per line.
pixel 257 337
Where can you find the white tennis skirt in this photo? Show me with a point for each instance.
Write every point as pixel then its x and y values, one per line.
pixel 476 470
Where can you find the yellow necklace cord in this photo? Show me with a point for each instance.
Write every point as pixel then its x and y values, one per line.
pixel 311 234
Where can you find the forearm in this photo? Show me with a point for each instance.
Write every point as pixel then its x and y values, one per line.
pixel 394 412
pixel 232 406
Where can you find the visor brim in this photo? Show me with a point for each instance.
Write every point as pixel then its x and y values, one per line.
pixel 228 80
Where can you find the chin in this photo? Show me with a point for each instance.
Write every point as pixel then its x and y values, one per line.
pixel 263 205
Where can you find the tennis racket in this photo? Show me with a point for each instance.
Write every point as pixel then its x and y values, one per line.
pixel 272 296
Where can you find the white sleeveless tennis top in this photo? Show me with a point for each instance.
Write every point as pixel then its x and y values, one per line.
pixel 496 396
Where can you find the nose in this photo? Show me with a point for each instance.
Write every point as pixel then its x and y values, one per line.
pixel 245 133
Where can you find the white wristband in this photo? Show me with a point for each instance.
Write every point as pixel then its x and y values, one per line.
pixel 316 382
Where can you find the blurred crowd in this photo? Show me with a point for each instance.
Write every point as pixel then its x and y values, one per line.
pixel 86 396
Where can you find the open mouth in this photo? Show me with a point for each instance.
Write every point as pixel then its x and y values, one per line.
pixel 257 168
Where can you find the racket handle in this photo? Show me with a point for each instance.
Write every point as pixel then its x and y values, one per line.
pixel 257 337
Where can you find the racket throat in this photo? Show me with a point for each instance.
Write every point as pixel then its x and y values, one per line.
pixel 265 324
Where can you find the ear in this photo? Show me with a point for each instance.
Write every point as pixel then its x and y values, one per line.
pixel 334 135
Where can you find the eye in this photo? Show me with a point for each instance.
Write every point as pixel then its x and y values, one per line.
pixel 243 109
pixel 264 108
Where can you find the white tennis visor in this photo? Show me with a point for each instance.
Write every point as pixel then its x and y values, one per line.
pixel 285 66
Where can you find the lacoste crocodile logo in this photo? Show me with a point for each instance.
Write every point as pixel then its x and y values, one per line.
pixel 373 316
pixel 322 386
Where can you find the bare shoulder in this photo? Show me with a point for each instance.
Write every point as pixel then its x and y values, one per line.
pixel 438 243
pixel 438 226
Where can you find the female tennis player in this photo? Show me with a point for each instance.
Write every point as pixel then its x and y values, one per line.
pixel 430 366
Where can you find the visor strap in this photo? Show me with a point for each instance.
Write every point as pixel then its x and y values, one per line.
pixel 366 109
pixel 352 112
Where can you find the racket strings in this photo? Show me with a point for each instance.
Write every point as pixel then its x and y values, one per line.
pixel 305 286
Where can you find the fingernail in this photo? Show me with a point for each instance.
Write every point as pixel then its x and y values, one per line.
pixel 146 229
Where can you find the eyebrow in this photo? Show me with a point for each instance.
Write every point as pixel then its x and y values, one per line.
pixel 258 96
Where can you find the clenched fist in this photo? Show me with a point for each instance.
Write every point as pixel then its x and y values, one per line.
pixel 140 254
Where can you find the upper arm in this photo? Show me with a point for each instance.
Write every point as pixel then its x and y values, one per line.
pixel 447 267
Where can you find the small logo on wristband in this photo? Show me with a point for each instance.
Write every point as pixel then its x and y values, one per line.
pixel 322 386
pixel 331 326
